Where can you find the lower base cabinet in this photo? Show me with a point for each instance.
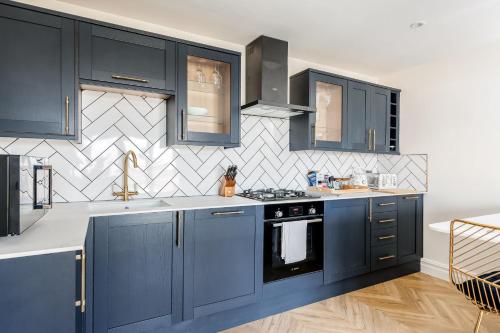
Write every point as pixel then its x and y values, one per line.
pixel 222 258
pixel 410 228
pixel 39 294
pixel 366 235
pixel 346 239
pixel 136 265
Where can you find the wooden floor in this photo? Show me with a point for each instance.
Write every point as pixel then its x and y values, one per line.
pixel 415 303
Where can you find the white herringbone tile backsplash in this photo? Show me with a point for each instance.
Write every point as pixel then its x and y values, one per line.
pixel 114 123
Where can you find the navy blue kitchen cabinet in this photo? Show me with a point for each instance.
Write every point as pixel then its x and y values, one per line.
pixel 379 119
pixel 358 114
pixel 346 239
pixel 327 127
pixel 39 293
pixel 410 225
pixel 206 110
pixel 37 67
pixel 351 115
pixel 137 272
pixel 223 259
pixel 125 59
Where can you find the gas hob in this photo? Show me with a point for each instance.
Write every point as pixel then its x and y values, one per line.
pixel 271 194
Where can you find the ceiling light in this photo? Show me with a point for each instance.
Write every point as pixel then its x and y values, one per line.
pixel 416 25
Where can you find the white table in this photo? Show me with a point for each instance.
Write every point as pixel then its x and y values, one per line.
pixel 490 220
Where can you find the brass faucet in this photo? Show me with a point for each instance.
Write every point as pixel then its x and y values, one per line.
pixel 125 193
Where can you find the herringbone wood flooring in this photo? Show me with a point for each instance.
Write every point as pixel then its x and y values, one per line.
pixel 414 303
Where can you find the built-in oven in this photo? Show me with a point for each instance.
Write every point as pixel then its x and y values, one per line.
pixel 275 217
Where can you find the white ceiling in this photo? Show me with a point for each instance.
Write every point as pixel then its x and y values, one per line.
pixel 366 36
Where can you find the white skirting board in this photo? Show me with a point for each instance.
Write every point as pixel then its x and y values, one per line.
pixel 434 268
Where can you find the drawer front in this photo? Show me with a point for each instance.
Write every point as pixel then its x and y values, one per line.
pixel 224 213
pixel 384 236
pixel 126 58
pixel 384 256
pixel 385 204
pixel 384 220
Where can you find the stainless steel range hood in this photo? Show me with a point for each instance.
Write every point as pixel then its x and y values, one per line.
pixel 267 80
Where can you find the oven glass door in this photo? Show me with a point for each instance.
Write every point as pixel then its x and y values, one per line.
pixel 275 267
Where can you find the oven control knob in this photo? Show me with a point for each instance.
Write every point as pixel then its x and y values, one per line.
pixel 278 214
pixel 312 211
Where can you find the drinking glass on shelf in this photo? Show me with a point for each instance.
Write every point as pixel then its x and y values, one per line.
pixel 216 77
pixel 200 76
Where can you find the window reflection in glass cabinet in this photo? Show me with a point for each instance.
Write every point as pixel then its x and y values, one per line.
pixel 329 112
pixel 208 96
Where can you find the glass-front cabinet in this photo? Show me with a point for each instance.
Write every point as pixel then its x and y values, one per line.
pixel 330 111
pixel 208 97
pixel 327 126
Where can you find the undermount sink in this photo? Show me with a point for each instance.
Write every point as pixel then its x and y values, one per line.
pixel 129 205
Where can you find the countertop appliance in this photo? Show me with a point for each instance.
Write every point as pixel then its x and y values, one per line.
pixel 275 215
pixel 271 194
pixel 267 80
pixel 25 192
pixel 382 181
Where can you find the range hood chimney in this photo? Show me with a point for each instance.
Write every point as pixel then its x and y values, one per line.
pixel 267 80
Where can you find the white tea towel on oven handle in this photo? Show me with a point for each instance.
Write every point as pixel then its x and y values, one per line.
pixel 294 241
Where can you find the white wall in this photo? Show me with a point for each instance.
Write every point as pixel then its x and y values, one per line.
pixel 450 110
pixel 294 65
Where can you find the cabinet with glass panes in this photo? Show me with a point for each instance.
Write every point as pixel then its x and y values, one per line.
pixel 351 115
pixel 326 128
pixel 208 97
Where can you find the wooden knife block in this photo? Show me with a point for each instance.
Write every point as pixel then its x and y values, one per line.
pixel 228 188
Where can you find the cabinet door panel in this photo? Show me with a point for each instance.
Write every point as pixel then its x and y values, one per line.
pixel 121 57
pixel 39 293
pixel 357 114
pixel 223 260
pixel 208 96
pixel 37 70
pixel 347 239
pixel 133 272
pixel 330 120
pixel 410 224
pixel 379 118
pixel 224 263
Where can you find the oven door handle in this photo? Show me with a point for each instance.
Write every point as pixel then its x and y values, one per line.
pixel 308 221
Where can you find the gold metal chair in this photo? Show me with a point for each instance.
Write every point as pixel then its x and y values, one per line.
pixel 475 265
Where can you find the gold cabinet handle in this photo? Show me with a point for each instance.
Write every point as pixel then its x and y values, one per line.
pixel 370 139
pixel 370 209
pixel 82 302
pixel 386 237
pixel 129 78
pixel 236 212
pixel 386 221
pixel 386 204
pixel 179 226
pixel 373 139
pixel 66 103
pixel 386 257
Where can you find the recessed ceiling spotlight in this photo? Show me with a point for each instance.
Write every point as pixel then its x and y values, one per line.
pixel 416 25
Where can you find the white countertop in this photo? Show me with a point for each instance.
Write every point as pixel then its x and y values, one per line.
pixel 444 227
pixel 64 228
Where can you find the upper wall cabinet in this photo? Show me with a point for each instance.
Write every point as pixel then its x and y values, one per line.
pixel 126 59
pixel 37 67
pixel 207 110
pixel 351 115
pixel 327 128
